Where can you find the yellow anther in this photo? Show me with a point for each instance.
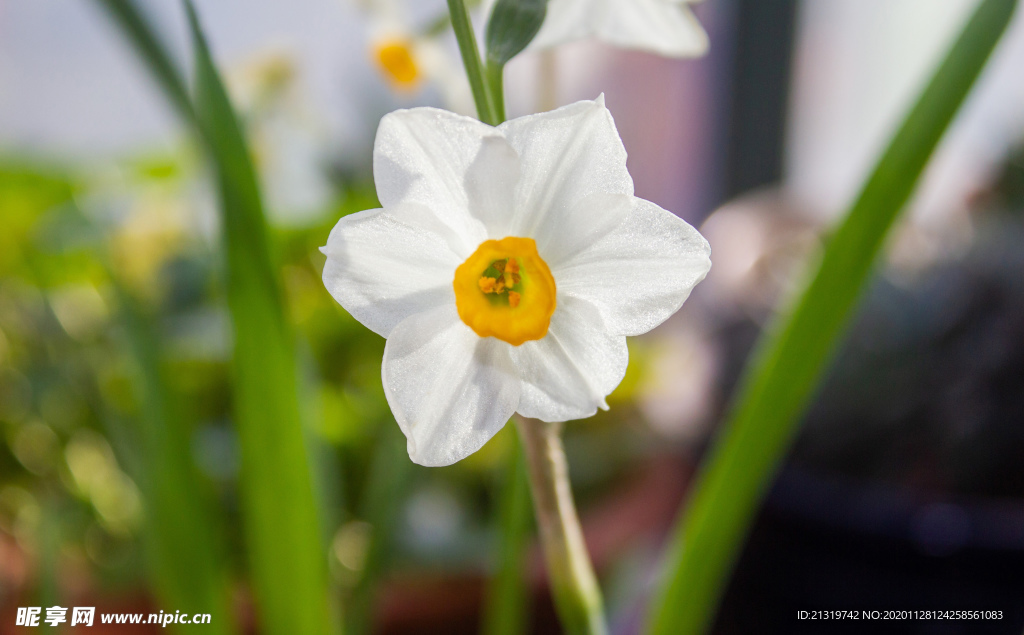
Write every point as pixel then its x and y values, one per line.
pixel 505 280
pixel 513 299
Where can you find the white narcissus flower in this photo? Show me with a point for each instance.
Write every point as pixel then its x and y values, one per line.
pixel 506 269
pixel 665 27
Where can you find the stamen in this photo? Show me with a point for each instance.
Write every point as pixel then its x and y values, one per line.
pixel 507 278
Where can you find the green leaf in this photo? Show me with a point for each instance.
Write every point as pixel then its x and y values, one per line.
pixel 506 608
pixel 792 356
pixel 512 26
pixel 288 563
pixel 151 51
pixel 186 555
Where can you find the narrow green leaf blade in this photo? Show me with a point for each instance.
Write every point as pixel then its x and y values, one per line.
pixel 512 26
pixel 186 554
pixel 151 51
pixel 792 356
pixel 288 564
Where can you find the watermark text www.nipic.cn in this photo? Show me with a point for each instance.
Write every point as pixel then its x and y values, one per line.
pixel 85 616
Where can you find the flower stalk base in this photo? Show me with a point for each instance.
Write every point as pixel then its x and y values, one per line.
pixel 573 583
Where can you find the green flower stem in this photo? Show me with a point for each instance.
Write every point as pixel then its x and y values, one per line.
pixel 496 89
pixel 478 80
pixel 573 583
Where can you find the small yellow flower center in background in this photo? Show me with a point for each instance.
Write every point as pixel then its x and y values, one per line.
pixel 396 61
pixel 505 290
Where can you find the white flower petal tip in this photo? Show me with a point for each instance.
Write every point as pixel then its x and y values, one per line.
pixel 449 390
pixel 641 272
pixel 385 265
pixel 568 374
pixel 506 268
pixel 662 27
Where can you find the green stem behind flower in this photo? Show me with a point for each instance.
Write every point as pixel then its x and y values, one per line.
pixel 573 583
pixel 478 80
pixel 496 88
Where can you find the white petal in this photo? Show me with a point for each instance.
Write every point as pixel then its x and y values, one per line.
pixel 449 389
pixel 663 27
pixel 589 220
pixel 568 373
pixel 566 155
pixel 640 273
pixel 421 156
pixel 385 265
pixel 491 183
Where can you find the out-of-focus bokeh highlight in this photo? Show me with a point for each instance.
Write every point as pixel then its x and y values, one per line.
pixel 905 488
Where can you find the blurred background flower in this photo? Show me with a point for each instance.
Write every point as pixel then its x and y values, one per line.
pixel 664 28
